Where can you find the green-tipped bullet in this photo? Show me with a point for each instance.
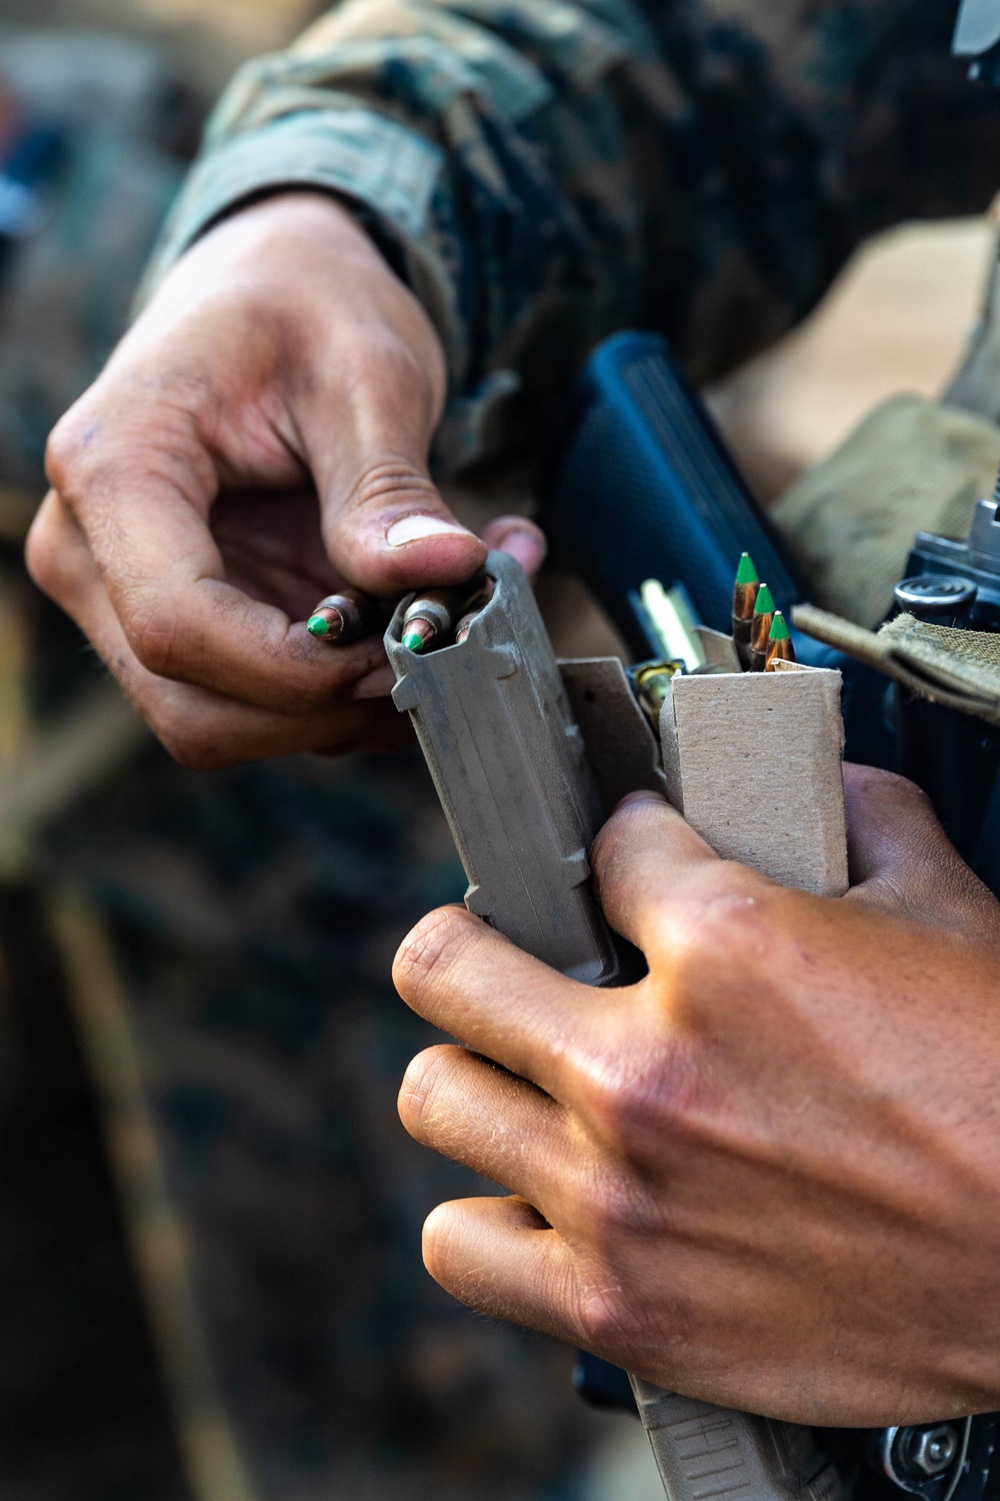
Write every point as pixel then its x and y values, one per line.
pixel 760 633
pixel 344 618
pixel 779 630
pixel 747 573
pixel 744 599
pixel 430 620
pixel 779 643
pixel 765 602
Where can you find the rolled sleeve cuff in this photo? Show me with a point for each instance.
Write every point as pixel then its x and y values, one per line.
pixel 390 176
pixel 356 153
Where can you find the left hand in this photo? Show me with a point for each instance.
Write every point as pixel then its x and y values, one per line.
pixel 258 439
pixel 767 1176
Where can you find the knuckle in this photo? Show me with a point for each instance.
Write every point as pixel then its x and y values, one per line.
pixel 435 944
pixel 65 449
pixel 78 447
pixel 730 924
pixel 618 1323
pixel 191 745
pixel 42 558
pixel 607 1320
pixel 617 838
pixel 157 637
pixel 612 1099
pixel 905 795
pixel 421 1087
pixel 384 361
pixel 887 786
pixel 193 753
pixel 640 1097
pixel 393 480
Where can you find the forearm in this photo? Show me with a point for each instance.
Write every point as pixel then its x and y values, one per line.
pixel 494 162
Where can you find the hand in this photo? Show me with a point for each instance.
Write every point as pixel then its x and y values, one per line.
pixel 767 1176
pixel 280 361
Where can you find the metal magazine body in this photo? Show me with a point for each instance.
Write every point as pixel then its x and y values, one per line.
pixel 704 1451
pixel 494 722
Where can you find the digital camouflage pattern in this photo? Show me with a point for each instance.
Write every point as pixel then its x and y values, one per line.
pixel 545 171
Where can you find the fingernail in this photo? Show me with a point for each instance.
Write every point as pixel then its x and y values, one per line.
pixel 644 796
pixel 378 684
pixel 417 528
pixel 524 547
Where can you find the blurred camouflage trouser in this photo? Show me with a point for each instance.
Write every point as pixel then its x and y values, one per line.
pixel 255 914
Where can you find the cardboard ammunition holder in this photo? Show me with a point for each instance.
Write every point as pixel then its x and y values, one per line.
pixel 752 760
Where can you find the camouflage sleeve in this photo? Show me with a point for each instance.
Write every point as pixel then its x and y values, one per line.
pixel 489 147
pixel 542 172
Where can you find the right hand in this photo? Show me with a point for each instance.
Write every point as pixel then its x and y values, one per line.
pixel 280 362
pixel 766 1176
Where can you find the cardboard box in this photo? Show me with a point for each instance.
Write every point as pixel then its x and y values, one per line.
pixel 754 763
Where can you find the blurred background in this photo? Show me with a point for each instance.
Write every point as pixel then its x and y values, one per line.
pixel 210 1283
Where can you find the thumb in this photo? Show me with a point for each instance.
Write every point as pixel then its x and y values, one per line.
pixel 385 526
pixel 900 857
pixel 392 531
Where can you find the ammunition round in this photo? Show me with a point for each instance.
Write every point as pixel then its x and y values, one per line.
pixel 745 591
pixel 779 645
pixel 344 618
pixel 418 635
pixel 432 618
pixel 464 627
pixel 325 624
pixel 760 634
pixel 653 685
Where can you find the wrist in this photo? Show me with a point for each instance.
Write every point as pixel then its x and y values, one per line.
pixel 301 264
pixel 306 214
pixel 268 243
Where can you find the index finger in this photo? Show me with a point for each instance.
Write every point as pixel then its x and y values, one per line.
pixel 645 854
pixel 466 979
pixel 165 577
